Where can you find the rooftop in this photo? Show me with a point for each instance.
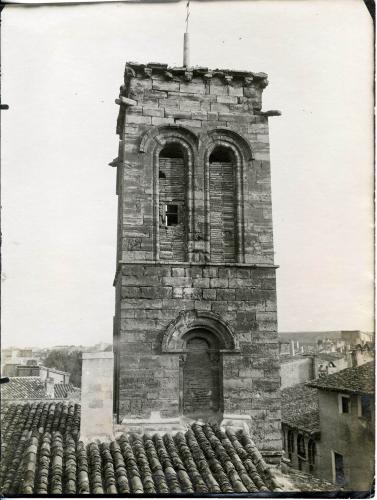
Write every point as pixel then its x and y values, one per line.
pixel 330 356
pixel 42 453
pixel 299 408
pixel 357 380
pixel 287 358
pixel 24 388
pixel 29 388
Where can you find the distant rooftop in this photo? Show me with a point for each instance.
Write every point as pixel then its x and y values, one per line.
pixel 34 388
pixel 299 408
pixel 287 358
pixel 359 380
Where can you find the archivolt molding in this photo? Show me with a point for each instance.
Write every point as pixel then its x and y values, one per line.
pixel 167 133
pixel 226 137
pixel 175 336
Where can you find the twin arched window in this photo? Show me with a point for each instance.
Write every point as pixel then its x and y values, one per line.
pixel 174 192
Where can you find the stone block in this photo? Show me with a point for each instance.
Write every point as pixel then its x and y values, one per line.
pixel 201 282
pixel 233 117
pixel 227 294
pixel 226 99
pixel 177 292
pixel 153 111
pixel 161 121
pixel 186 105
pixel 178 272
pixel 210 272
pixel 189 123
pixel 209 294
pixel 177 114
pixel 165 85
pixel 193 88
pixel 138 119
pixel 219 283
pixel 212 115
pixel 192 293
pixel 235 91
pixel 161 292
pixel 219 108
pixel 201 305
pixel 199 115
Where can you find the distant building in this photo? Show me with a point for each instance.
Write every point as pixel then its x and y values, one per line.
pixel 353 337
pixel 14 355
pixel 300 426
pixel 32 370
pixel 295 370
pixel 328 427
pixel 362 354
pixel 347 421
pixel 326 363
pixel 337 338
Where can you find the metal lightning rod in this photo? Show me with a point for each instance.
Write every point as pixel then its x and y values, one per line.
pixel 186 39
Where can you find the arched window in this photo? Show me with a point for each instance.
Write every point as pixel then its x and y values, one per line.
pixel 311 454
pixel 301 446
pixel 301 452
pixel 172 203
pixel 222 201
pixel 291 445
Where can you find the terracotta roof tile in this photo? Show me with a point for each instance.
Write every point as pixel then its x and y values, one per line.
pixel 24 388
pixel 67 391
pixel 299 408
pixel 42 453
pixel 359 380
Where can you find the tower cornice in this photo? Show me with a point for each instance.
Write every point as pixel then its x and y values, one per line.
pixel 184 74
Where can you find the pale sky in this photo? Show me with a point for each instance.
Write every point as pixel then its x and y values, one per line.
pixel 62 68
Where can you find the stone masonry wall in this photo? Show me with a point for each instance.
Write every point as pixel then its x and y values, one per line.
pixel 199 109
pixel 206 106
pixel 154 294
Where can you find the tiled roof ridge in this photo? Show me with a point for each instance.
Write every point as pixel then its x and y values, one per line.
pixel 43 454
pixel 354 380
pixel 300 408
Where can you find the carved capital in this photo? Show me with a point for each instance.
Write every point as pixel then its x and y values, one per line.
pixel 128 73
pixel 228 79
pixel 248 80
pixel 148 72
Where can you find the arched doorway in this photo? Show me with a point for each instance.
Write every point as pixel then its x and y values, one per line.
pixel 200 375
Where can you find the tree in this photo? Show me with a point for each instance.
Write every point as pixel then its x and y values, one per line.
pixel 70 362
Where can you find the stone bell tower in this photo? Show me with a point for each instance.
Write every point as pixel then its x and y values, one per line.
pixel 195 330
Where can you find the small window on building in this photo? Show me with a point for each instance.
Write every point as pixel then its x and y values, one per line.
pixel 290 444
pixel 311 454
pixel 301 446
pixel 171 215
pixel 344 404
pixel 364 406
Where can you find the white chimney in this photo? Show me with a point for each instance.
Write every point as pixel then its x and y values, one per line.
pixel 49 386
pixel 97 396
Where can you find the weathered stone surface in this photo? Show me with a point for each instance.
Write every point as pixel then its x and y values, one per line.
pixel 195 250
